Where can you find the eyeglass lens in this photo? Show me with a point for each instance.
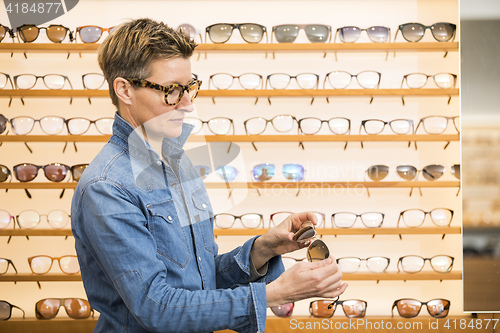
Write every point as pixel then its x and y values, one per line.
pixel 283 311
pixel 93 81
pixel 3 123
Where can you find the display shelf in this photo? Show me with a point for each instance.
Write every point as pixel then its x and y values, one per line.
pixel 233 47
pixel 260 231
pixel 75 93
pixel 30 277
pixel 264 185
pixel 249 138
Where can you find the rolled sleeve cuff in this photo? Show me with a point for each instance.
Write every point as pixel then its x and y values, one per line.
pixel 243 255
pixel 258 292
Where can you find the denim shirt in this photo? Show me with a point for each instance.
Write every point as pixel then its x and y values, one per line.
pixel 144 238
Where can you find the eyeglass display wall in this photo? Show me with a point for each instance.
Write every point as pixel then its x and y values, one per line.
pixel 335 165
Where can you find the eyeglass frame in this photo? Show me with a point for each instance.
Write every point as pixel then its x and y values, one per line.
pixel 7 77
pixel 66 79
pixel 20 32
pixel 421 304
pixel 361 30
pixel 269 121
pixel 238 217
pixel 261 80
pixel 9 262
pixel 78 29
pixel 366 259
pixel 58 259
pixel 40 215
pixel 61 303
pixel 142 83
pixel 231 121
pixel 302 27
pixel 360 217
pixel 290 80
pixel 352 75
pixel 11 307
pixel 363 126
pixel 401 216
pixel 405 78
pixel 400 28
pixel 400 260
pixel 447 120
pixel 8 31
pixel 348 132
pixel 235 26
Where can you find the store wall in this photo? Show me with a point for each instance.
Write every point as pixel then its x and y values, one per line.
pixel 323 161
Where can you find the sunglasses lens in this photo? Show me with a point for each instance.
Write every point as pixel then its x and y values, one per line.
pixel 412 264
pixel 368 79
pixel 412 32
pixel 317 251
pixel 188 30
pixel 372 220
pixel 279 81
pixel 54 81
pixel 339 125
pixel 444 80
pixel 3 32
pixel 4 173
pixel 58 219
pixel 378 34
pixel 28 219
pixel 22 125
pixel 56 33
pixel 56 172
pixel 3 123
pixel 401 126
pixel 222 81
pixel 219 125
pixel 286 33
pixel 26 172
pixel 77 171
pixel 250 81
pixel 90 34
pixel 377 264
pixel 438 308
pixel 349 34
pixel 5 310
pixel 443 32
pixel 374 126
pixel 435 124
pixel 251 221
pixel 52 125
pixel 105 126
pixel 28 33
pixel 407 172
pixel 252 33
pixel 47 308
pixel 227 173
pixel 413 217
pixel 433 172
pixel 41 264
pixel 293 172
pixel 416 80
pixel 77 308
pixel 283 311
pixel 305 232
pixel 4 219
pixel 224 221
pixel 263 172
pixel 220 33
pixel 322 309
pixel 441 264
pixel 339 80
pixel 441 217
pixel 307 81
pixel 93 81
pixel 455 170
pixel 348 265
pixel 378 172
pixel 69 264
pixel 408 308
pixel 317 33
pixel 354 308
pixel 202 170
pixel 78 126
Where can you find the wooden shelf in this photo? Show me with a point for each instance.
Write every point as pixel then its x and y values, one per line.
pixel 75 93
pixel 248 138
pixel 233 47
pixel 263 185
pixel 30 277
pixel 260 231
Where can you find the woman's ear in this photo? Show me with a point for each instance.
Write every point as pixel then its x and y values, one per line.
pixel 123 90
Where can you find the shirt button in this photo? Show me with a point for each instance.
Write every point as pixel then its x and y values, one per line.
pixel 174 184
pixel 204 206
pixel 169 218
pixel 158 162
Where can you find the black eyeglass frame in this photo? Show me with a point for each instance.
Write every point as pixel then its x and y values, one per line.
pixel 235 26
pixel 23 37
pixel 10 310
pixel 9 262
pixel 401 27
pixel 303 27
pixel 394 305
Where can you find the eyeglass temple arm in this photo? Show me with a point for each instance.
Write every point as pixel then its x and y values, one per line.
pixel 402 96
pixel 397 225
pixel 24 314
pixel 13 266
pixel 393 306
pixel 412 132
pixel 335 41
pixel 360 128
pixel 367 189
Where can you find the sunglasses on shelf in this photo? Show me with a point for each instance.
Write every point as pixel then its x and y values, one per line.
pixel 173 92
pixel 55 172
pixel 4 266
pixel 438 124
pixel 278 217
pixel 414 32
pixel 6 310
pixel 5 173
pixel 341 79
pixel 55 32
pixel 221 32
pixel 76 308
pixel 374 264
pixel 409 307
pixel 283 311
pixel 42 264
pixel 353 308
pixel 216 125
pixel 265 171
pixel 4 31
pixel 350 34
pixel 51 81
pixel 3 123
pixel 248 221
pixel 415 264
pixel 189 30
pixel 347 219
pixel 409 172
pixel 92 33
pixel 413 218
pixel 316 33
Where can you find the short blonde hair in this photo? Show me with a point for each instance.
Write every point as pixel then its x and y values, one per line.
pixel 129 51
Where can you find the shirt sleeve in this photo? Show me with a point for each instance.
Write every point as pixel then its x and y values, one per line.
pixel 115 236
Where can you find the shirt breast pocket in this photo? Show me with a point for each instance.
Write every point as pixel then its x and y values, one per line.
pixel 171 241
pixel 203 217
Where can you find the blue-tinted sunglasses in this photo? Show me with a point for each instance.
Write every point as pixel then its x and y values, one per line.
pixel 226 172
pixel 265 171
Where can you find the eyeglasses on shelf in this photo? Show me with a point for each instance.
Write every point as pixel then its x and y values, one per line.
pixel 55 32
pixel 288 33
pixel 248 220
pixel 6 310
pixel 397 126
pixel 410 308
pixel 348 219
pixel 42 264
pixel 216 125
pixel 221 32
pixel 415 264
pixel 374 264
pixel 190 30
